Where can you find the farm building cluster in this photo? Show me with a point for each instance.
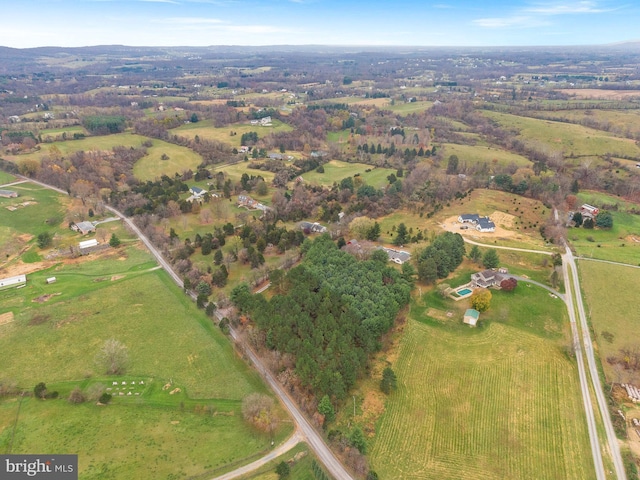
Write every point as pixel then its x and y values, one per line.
pixel 247 202
pixel 481 224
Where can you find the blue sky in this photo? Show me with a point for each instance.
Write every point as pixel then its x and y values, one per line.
pixel 31 23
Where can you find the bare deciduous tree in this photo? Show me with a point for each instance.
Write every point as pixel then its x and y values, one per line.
pixel 259 411
pixel 113 357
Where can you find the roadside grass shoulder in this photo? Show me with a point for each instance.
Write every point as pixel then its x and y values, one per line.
pixel 610 293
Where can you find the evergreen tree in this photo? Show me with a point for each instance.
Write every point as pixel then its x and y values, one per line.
pixel 389 381
pixel 475 254
pixel 402 235
pixel 114 241
pixel 491 259
pixel 325 407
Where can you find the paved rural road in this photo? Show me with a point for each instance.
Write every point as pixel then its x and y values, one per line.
pixel 584 383
pixel 612 440
pixel 315 441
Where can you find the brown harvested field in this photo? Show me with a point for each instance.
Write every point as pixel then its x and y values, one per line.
pixel 595 93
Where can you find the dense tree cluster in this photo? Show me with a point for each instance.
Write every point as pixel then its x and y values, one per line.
pixel 440 258
pixel 332 316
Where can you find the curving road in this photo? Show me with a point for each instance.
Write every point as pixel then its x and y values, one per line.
pixel 314 440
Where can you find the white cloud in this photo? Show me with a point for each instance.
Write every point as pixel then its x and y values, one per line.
pixel 510 22
pixel 188 21
pixel 566 8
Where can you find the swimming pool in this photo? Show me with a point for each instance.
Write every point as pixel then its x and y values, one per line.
pixel 464 291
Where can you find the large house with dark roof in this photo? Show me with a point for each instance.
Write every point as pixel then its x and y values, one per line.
pixel 489 278
pixel 482 224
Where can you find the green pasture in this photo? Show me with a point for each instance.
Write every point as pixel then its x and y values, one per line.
pixel 621 243
pixel 56 339
pixel 475 154
pixel 53 132
pixel 405 108
pixel 570 139
pixel 152 166
pixel 336 170
pixel 133 439
pixel 45 212
pixel 236 170
pixel 610 293
pixel 6 178
pixel 621 120
pixel 498 401
pixel 67 147
pixel 205 130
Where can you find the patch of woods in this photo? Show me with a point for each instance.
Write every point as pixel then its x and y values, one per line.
pixel 330 319
pixel 319 331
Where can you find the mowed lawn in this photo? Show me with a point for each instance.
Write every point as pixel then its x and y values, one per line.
pixel 565 137
pixel 6 178
pixel 610 292
pixel 498 401
pixel 621 243
pixel 336 170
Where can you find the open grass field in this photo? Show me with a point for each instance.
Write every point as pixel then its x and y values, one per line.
pixel 621 243
pixel 566 138
pixel 98 143
pixel 6 178
pixel 499 401
pixel 57 330
pixel 472 155
pixel 131 440
pixel 37 210
pixel 236 170
pixel 610 292
pixel 336 170
pixel 205 130
pixel 409 107
pixel 618 119
pixel 152 166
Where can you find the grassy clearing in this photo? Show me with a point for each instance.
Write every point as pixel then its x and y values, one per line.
pixel 131 441
pixel 409 107
pixel 336 170
pixel 471 155
pixel 621 243
pixel 56 333
pixel 236 170
pixel 205 130
pixel 152 166
pixel 98 143
pixel 567 138
pixel 498 401
pixel 56 340
pixel 6 178
pixel 610 292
